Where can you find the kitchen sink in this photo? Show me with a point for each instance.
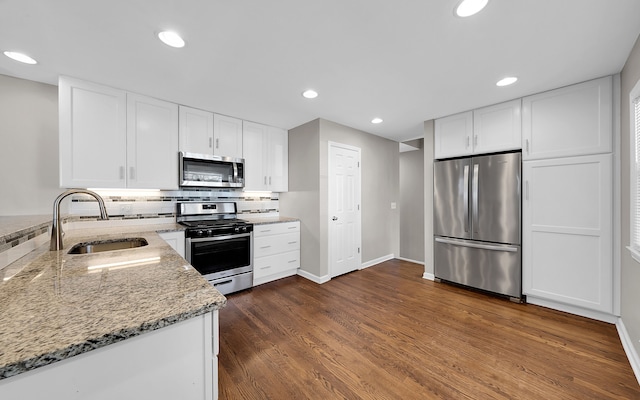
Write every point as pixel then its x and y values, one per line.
pixel 107 245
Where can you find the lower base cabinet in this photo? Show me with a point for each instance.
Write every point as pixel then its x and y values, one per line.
pixel 276 251
pixel 179 361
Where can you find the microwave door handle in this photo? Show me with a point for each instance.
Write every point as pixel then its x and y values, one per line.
pixel 235 172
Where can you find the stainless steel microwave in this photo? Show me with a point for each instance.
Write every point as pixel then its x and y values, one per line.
pixel 204 170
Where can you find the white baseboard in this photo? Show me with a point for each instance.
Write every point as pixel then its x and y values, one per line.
pixel 597 315
pixel 377 261
pixel 314 278
pixel 428 275
pixel 629 349
pixel 410 260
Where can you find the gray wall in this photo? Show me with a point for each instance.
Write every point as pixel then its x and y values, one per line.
pixel 303 199
pixel 411 205
pixel 630 269
pixel 428 196
pixel 28 146
pixel 379 170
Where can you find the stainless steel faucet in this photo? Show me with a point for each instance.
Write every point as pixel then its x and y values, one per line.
pixel 56 228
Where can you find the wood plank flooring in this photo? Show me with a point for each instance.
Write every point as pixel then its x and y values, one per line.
pixel 386 333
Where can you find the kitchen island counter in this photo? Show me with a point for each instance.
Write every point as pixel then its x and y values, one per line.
pixel 55 305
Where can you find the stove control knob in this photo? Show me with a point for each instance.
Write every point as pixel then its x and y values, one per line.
pixel 244 229
pixel 199 232
pixel 236 229
pixel 209 232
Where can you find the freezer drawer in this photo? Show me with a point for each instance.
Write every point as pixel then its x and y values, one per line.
pixel 493 267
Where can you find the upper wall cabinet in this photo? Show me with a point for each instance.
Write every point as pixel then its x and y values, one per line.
pixel 152 143
pixel 497 128
pixel 265 150
pixel 227 136
pixel 93 135
pixel 570 121
pixel 485 130
pixel 111 139
pixel 453 135
pixel 207 133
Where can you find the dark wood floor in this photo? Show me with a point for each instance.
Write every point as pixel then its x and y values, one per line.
pixel 386 333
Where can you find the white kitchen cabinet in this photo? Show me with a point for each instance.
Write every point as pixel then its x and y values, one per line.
pixel 567 231
pixel 196 130
pixel 204 132
pixel 276 251
pixel 152 143
pixel 497 128
pixel 93 135
pixel 485 130
pixel 266 158
pixel 113 139
pixel 175 239
pixel 227 136
pixel 178 361
pixel 453 135
pixel 570 121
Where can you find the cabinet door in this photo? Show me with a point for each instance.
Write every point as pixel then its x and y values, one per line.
pixel 278 160
pixel 196 131
pixel 253 148
pixel 175 240
pixel 497 128
pixel 92 135
pixel 152 143
pixel 574 120
pixel 453 135
pixel 227 134
pixel 567 231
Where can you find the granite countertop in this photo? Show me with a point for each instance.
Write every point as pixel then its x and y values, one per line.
pixel 257 220
pixel 59 305
pixel 17 229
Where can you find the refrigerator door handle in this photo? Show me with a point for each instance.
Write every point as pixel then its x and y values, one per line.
pixel 474 197
pixel 465 197
pixel 464 243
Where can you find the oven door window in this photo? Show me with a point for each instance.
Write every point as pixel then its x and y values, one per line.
pixel 214 255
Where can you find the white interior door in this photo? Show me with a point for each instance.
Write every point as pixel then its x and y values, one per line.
pixel 344 209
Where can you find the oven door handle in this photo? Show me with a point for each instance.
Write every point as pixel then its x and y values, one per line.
pixel 218 238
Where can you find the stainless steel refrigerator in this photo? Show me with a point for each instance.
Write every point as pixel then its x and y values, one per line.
pixel 477 222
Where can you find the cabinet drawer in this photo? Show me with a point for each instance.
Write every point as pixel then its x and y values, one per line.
pixel 265 266
pixel 275 229
pixel 274 244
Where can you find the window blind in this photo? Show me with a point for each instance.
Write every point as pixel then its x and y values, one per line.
pixel 635 244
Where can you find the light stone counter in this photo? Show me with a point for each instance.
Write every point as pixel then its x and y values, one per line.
pixel 59 305
pixel 257 220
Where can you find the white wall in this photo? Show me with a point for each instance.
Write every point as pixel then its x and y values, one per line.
pixel 29 180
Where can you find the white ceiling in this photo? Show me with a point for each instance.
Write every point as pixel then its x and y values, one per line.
pixel 405 61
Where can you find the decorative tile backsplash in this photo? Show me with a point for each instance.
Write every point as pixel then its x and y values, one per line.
pixel 159 204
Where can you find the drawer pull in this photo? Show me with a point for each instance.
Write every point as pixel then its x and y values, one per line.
pixel 293 242
pixel 292 227
pixel 266 230
pixel 265 247
pixel 292 261
pixel 267 267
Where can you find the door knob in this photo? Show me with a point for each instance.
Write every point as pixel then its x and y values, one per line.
pixel 334 218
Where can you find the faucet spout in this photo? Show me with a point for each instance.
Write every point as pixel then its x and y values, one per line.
pixel 56 226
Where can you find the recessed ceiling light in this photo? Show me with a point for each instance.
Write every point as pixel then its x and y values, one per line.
pixel 23 58
pixel 171 39
pixel 376 120
pixel 310 94
pixel 467 8
pixel 510 80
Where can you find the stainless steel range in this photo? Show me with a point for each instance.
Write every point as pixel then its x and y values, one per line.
pixel 218 244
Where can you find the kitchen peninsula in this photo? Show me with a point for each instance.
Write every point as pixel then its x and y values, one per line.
pixel 108 325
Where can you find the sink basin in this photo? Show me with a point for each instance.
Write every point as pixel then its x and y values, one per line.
pixel 107 245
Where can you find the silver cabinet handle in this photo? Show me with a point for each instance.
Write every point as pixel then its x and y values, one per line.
pixel 217 143
pixel 475 140
pixel 526 190
pixel 468 142
pixel 292 261
pixel 122 172
pixel 292 242
pixel 527 145
pixel 132 173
